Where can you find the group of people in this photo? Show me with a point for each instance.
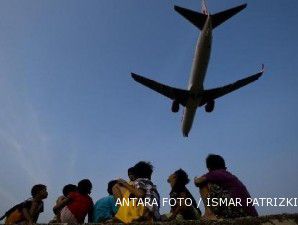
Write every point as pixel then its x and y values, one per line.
pixel 75 203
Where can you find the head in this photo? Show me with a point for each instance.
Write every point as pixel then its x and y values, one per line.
pixel 215 162
pixel 143 170
pixel 111 185
pixel 69 188
pixel 131 174
pixel 85 187
pixel 178 178
pixel 39 191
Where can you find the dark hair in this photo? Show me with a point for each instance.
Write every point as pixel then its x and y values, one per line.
pixel 36 189
pixel 215 162
pixel 131 170
pixel 143 169
pixel 181 177
pixel 69 188
pixel 131 174
pixel 84 186
pixel 111 185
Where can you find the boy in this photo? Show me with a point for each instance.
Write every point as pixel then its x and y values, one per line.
pixel 28 211
pixel 105 208
pixel 219 183
pixel 67 189
pixel 143 188
pixel 77 205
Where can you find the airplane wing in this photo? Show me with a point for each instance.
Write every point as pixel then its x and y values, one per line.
pixel 212 94
pixel 173 93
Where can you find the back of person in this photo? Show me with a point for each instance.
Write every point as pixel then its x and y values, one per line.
pixel 152 194
pixel 67 189
pixel 233 185
pixel 140 187
pixel 188 212
pixel 104 209
pixel 130 212
pixel 79 205
pixel 178 181
pixel 219 184
pixel 15 214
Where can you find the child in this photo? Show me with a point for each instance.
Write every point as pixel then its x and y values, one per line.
pixel 219 183
pixel 29 210
pixel 144 188
pixel 77 205
pixel 127 213
pixel 67 189
pixel 178 181
pixel 105 208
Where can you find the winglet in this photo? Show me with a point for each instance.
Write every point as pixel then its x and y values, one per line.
pixel 263 68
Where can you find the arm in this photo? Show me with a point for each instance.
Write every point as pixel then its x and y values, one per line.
pixel 27 215
pixel 139 193
pixel 200 181
pixel 60 205
pixel 90 214
pixel 36 208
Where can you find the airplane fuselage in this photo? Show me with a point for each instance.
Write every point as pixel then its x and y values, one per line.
pixel 197 76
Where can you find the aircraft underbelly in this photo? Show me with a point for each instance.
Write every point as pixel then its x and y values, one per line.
pixel 188 118
pixel 198 71
pixel 200 62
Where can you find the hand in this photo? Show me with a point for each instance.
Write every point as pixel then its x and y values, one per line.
pixel 55 210
pixel 199 180
pixel 196 180
pixel 122 182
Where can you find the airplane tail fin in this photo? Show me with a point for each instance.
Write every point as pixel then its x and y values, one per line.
pixel 199 19
pixel 204 9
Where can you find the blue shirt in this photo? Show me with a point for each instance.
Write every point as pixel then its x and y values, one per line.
pixel 104 209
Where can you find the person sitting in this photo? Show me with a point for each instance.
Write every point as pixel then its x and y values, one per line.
pixel 178 181
pixel 77 205
pixel 143 188
pixel 28 211
pixel 218 184
pixel 67 189
pixel 105 208
pixel 130 212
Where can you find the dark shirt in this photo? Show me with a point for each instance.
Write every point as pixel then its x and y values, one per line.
pixel 234 186
pixel 189 213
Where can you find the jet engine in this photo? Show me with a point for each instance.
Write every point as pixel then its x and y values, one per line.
pixel 175 106
pixel 209 107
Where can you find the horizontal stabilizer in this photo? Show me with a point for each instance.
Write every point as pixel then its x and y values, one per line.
pixel 221 17
pixel 173 93
pixel 196 18
pixel 199 19
pixel 209 95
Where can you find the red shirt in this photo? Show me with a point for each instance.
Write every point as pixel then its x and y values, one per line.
pixel 80 205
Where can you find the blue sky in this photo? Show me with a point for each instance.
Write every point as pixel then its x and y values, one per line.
pixel 70 110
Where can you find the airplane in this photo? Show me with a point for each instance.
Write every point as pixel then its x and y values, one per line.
pixel 196 96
